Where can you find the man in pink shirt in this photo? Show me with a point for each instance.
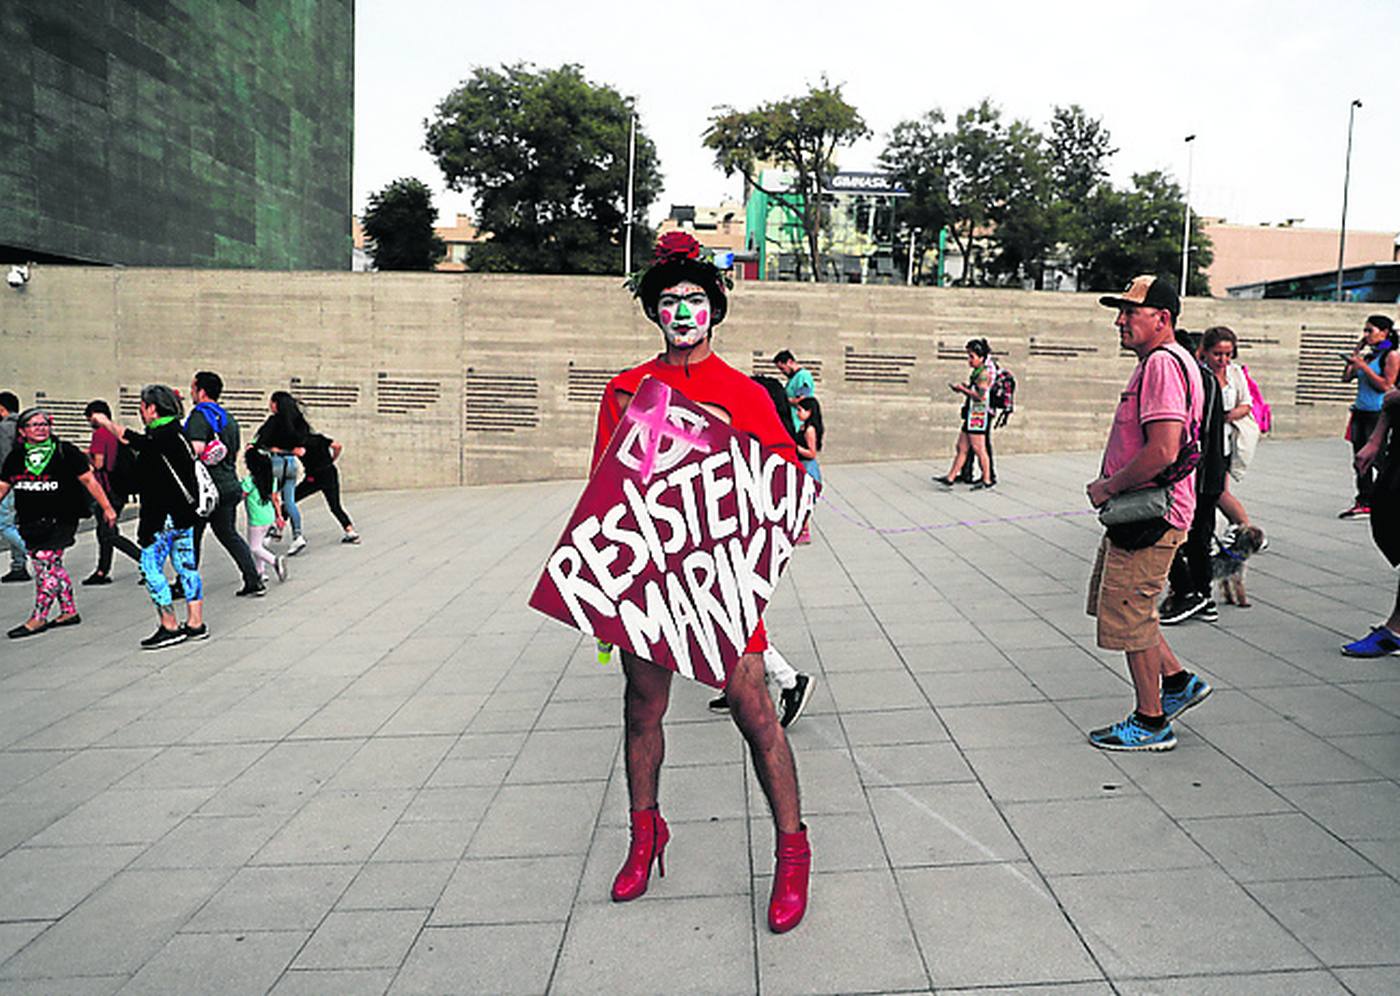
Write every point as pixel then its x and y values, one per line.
pixel 1155 428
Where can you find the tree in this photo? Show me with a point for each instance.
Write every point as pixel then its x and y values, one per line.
pixel 544 154
pixel 1079 148
pixel 916 154
pixel 1128 232
pixel 800 134
pixel 398 226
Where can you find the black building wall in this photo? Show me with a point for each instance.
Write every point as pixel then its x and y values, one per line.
pixel 211 133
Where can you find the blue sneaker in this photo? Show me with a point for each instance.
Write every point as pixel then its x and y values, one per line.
pixel 1380 642
pixel 1132 735
pixel 1195 692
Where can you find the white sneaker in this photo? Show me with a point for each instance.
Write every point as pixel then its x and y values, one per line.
pixel 298 545
pixel 281 567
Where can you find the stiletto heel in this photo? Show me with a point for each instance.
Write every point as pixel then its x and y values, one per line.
pixel 649 837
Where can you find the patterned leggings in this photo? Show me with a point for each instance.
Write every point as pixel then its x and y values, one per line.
pixel 178 546
pixel 51 581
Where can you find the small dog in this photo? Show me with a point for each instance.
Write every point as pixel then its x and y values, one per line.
pixel 1227 565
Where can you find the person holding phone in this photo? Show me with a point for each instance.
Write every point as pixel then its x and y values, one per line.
pixel 1374 365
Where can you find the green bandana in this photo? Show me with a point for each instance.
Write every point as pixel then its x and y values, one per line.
pixel 156 423
pixel 38 455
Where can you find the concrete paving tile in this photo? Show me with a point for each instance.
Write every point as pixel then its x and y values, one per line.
pixel 823 955
pixel 1274 847
pixel 829 782
pixel 911 764
pixel 510 890
pixel 117 928
pixel 613 947
pixel 397 885
pixel 282 779
pixel 941 825
pixel 580 714
pixel 44 883
pixel 465 773
pixel 475 746
pixel 1383 853
pixel 1352 810
pixel 505 720
pixel 708 858
pixel 212 841
pixel 342 982
pixel 427 714
pixel 206 963
pixel 526 820
pixel 19 766
pixel 1371 980
pixel 872 654
pixel 88 985
pixel 1019 725
pixel 688 794
pixel 1201 783
pixel 192 767
pixel 14 936
pixel 872 690
pixel 1299 983
pixel 917 725
pixel 453 804
pixel 392 762
pixel 566 755
pixel 1142 836
pixel 991 925
pixel 932 655
pixel 1177 932
pixel 123 816
pixel 362 939
pixel 430 840
pixel 1329 711
pixel 1344 921
pixel 715 741
pixel 1087 682
pixel 515 958
pixel 276 898
pixel 1380 750
pixel 1256 746
pixel 1052 771
pixel 355 716
pixel 840 842
pixel 335 827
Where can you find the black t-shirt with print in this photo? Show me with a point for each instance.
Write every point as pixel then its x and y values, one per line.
pixel 48 504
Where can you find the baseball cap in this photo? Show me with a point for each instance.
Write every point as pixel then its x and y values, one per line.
pixel 1146 291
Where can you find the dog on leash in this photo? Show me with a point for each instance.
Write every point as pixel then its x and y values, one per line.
pixel 1228 563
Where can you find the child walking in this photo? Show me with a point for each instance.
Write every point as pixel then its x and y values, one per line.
pixel 263 506
pixel 809 444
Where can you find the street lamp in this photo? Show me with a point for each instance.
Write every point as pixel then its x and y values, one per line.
pixel 631 170
pixel 1346 183
pixel 1186 221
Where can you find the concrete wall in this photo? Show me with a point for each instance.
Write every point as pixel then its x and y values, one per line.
pixel 434 379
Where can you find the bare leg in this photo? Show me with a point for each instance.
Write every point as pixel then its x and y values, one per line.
pixel 960 457
pixel 753 713
pixel 979 446
pixel 643 706
pixel 1232 507
pixel 1393 623
pixel 1147 668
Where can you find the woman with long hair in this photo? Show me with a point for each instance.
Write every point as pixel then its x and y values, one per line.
pixel 1374 364
pixel 809 444
pixel 976 416
pixel 1220 349
pixel 49 477
pixel 284 434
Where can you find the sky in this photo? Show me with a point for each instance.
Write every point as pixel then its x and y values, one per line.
pixel 1264 87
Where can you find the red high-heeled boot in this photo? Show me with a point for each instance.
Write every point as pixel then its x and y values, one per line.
pixel 649 837
pixel 788 903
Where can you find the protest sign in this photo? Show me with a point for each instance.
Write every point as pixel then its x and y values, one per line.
pixel 678 539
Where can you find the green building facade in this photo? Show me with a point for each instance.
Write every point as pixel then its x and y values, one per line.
pixel 204 133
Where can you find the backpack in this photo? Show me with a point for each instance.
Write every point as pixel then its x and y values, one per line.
pixel 1258 407
pixel 1001 397
pixel 121 478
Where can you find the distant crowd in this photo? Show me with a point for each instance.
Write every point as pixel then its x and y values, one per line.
pixel 184 470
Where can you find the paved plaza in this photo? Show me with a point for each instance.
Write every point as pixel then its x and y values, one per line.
pixel 391 775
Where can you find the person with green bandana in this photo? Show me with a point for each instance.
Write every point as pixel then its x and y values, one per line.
pixel 48 477
pixel 165 478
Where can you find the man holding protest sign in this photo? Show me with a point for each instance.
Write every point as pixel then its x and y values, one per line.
pixel 684 294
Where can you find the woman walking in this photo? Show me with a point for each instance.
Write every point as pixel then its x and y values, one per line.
pixel 976 417
pixel 1220 348
pixel 168 489
pixel 103 451
pixel 49 477
pixel 809 444
pixel 284 434
pixel 263 506
pixel 1374 365
pixel 319 455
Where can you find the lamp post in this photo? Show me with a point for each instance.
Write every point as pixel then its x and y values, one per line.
pixel 1346 184
pixel 1186 221
pixel 631 166
pixel 909 279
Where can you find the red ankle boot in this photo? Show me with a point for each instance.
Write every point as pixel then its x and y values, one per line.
pixel 649 837
pixel 788 902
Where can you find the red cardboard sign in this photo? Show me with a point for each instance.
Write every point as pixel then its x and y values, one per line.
pixel 679 538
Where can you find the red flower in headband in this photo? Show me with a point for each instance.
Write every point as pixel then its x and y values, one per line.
pixel 676 244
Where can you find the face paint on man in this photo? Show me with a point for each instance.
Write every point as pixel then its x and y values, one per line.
pixel 683 312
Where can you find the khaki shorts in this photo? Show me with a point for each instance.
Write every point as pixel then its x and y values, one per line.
pixel 1124 588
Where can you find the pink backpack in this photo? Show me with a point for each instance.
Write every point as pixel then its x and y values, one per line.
pixel 1259 408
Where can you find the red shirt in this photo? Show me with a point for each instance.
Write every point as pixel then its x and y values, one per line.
pixel 711 382
pixel 103 444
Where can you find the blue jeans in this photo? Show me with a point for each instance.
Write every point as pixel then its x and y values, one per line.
pixel 9 533
pixel 284 480
pixel 178 546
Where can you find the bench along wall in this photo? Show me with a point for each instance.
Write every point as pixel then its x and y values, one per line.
pixel 432 380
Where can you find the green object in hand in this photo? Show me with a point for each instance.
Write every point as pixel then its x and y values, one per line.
pixel 604 652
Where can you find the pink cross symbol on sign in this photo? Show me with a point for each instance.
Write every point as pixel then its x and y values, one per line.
pixel 655 424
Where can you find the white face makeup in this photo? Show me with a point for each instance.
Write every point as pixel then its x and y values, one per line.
pixel 683 312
